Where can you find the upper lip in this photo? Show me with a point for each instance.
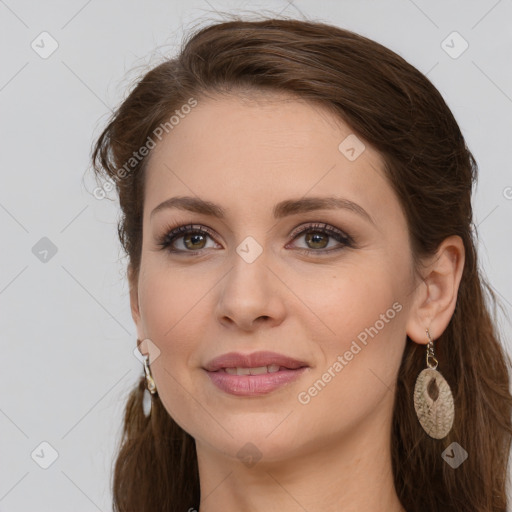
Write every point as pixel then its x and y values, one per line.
pixel 253 360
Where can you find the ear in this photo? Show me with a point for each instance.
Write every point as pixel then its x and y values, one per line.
pixel 436 296
pixel 133 279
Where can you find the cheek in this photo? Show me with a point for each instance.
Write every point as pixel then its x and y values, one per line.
pixel 350 299
pixel 362 337
pixel 169 300
pixel 171 310
pixel 173 313
pixel 365 341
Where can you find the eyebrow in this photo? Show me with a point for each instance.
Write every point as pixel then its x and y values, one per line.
pixel 280 210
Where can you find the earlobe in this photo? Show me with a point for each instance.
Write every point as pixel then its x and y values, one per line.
pixel 436 297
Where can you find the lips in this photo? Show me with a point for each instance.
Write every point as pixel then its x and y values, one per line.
pixel 255 374
pixel 256 360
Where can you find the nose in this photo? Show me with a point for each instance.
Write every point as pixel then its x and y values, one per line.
pixel 250 295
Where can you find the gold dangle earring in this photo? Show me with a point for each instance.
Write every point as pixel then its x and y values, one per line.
pixel 147 401
pixel 150 383
pixel 433 399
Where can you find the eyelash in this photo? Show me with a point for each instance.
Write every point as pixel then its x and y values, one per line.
pixel 171 235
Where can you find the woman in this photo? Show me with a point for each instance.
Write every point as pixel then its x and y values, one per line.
pixel 297 215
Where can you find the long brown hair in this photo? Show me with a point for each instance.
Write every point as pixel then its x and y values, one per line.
pixel 394 107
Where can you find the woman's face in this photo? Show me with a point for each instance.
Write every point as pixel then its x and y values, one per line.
pixel 326 285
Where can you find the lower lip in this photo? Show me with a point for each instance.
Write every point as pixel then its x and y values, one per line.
pixel 251 385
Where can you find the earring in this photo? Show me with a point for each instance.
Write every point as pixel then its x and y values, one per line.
pixel 150 383
pixel 433 399
pixel 147 402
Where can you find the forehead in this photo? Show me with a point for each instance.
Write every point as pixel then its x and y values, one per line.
pixel 260 149
pixel 257 120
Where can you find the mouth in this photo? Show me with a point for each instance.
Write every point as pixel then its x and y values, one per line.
pixel 253 374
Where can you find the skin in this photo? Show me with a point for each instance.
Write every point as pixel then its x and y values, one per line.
pixel 246 155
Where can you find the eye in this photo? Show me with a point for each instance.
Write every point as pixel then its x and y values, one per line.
pixel 191 238
pixel 318 237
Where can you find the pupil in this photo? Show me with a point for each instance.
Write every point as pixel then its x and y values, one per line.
pixel 316 239
pixel 195 238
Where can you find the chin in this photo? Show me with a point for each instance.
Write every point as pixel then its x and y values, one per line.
pixel 254 445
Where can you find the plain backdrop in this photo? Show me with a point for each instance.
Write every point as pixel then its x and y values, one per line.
pixel 67 336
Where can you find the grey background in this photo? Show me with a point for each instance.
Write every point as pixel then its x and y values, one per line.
pixel 67 336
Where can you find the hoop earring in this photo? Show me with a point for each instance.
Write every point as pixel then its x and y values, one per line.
pixel 433 399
